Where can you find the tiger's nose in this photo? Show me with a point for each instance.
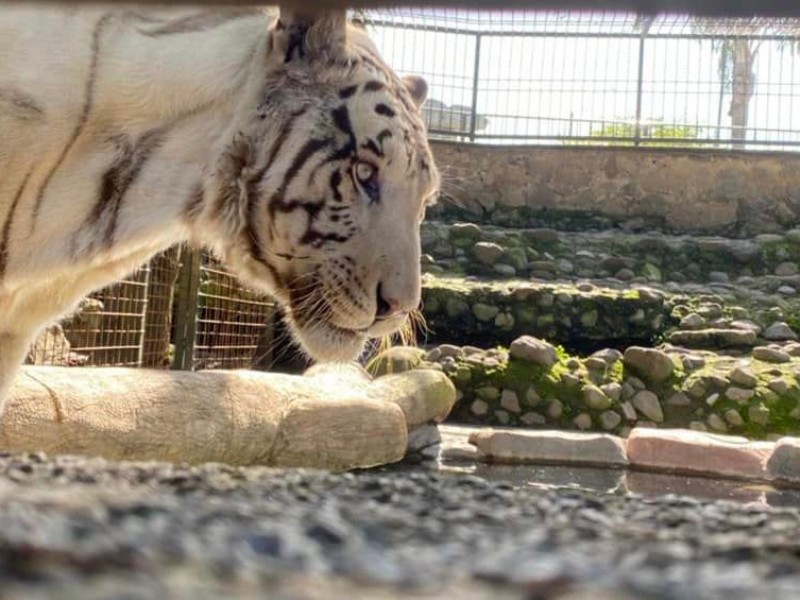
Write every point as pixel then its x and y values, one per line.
pixel 386 307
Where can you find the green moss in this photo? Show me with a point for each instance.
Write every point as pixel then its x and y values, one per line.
pixel 616 372
pixel 793 320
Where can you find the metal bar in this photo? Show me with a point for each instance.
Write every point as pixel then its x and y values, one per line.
pixel 663 141
pixel 777 8
pixel 186 317
pixel 475 82
pixel 143 322
pixel 637 128
pixel 697 141
pixel 377 22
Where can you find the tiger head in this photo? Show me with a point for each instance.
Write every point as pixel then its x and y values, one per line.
pixel 326 182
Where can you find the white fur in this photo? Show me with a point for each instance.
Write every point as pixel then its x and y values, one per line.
pixel 199 84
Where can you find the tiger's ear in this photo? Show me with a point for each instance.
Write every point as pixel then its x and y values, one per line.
pixel 305 34
pixel 417 87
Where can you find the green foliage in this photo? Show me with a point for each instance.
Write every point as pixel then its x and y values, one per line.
pixel 624 134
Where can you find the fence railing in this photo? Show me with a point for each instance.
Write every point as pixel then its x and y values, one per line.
pixel 600 78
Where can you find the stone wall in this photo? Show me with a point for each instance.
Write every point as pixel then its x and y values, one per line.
pixel 728 193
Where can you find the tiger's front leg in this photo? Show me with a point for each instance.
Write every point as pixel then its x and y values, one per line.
pixel 13 348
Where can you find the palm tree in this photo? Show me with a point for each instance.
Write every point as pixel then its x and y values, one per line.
pixel 738 42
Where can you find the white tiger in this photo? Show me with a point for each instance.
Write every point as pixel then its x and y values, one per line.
pixel 283 143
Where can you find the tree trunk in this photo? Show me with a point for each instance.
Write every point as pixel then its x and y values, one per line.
pixel 743 84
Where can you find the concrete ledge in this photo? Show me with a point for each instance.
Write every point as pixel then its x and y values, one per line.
pixel 784 463
pixel 679 452
pixel 694 452
pixel 514 446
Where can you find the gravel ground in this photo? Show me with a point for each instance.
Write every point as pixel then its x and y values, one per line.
pixel 88 529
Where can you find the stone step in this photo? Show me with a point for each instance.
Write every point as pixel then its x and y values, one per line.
pixel 485 313
pixel 588 315
pixel 768 262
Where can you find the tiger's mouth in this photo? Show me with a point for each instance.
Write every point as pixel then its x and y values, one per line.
pixel 310 317
pixel 313 321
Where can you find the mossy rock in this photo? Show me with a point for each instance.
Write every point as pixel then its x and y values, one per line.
pixel 704 390
pixel 396 360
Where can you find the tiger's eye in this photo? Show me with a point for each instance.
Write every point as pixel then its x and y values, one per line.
pixel 365 172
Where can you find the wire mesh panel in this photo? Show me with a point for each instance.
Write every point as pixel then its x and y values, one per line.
pixel 107 329
pixel 600 78
pixel 234 324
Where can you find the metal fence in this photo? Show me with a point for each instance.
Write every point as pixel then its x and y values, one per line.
pixel 183 310
pixel 600 78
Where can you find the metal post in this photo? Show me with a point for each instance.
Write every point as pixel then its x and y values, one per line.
pixel 186 313
pixel 143 321
pixel 475 80
pixel 637 133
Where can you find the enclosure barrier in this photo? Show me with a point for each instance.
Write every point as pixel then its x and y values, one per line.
pixel 183 310
pixel 742 8
pixel 626 79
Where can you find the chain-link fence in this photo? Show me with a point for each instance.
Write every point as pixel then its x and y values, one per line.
pixel 183 310
pixel 600 78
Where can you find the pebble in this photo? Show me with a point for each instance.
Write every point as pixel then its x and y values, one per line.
pixel 786 269
pixel 609 355
pixel 771 355
pixel 719 277
pixel 743 377
pixel 716 423
pixel 533 350
pixel 651 364
pixel 449 350
pixel 733 418
pixel 504 321
pixel 679 399
pixel 692 321
pixel 740 395
pixel 778 385
pixel 692 362
pixel 784 463
pixel 780 332
pixel 583 421
pixel 758 413
pixel 504 270
pixel 532 418
pixel 646 402
pixel 625 274
pixel 595 364
pixel 613 390
pixel 555 409
pixel 609 420
pixel 532 397
pixel 510 401
pixel 484 312
pixel 629 411
pixel 479 408
pixel 487 253
pixel 595 398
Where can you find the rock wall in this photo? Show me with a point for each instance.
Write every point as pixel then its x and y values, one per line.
pixel 735 194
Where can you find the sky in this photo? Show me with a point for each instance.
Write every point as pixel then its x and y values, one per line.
pixel 534 85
